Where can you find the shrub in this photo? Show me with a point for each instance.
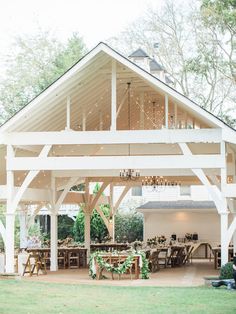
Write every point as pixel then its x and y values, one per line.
pixel 226 271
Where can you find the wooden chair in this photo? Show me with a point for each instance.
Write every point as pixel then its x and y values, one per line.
pixel 188 255
pixel 176 256
pixel 163 258
pixel 61 258
pixel 73 259
pixel 153 261
pixel 33 265
pixel 47 258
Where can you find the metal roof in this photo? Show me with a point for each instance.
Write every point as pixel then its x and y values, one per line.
pixel 155 66
pixel 139 53
pixel 185 204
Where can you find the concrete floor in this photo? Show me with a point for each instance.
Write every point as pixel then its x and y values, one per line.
pixel 186 276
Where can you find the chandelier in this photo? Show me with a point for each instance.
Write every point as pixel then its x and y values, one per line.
pixel 129 174
pixel 158 183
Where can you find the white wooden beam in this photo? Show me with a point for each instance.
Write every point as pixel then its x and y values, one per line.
pixel 53 228
pixel 124 192
pixel 115 162
pixel 121 103
pixel 113 96
pixel 68 113
pixel 10 218
pixel 97 196
pixel 28 179
pixel 72 181
pixel 224 234
pixel 2 231
pixel 117 137
pixel 215 193
pixel 223 171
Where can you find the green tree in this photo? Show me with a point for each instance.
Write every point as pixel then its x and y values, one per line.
pixel 129 223
pixel 198 55
pixel 34 64
pixel 65 226
pixel 98 230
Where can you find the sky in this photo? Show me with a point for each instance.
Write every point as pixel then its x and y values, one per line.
pixel 95 20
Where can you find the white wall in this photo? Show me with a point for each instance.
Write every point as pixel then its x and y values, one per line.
pixel 207 225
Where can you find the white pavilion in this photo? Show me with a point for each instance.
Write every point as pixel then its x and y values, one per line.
pixel 105 114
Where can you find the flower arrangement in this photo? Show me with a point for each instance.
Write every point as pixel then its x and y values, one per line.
pixel 121 268
pixel 188 236
pixel 152 241
pixel 162 239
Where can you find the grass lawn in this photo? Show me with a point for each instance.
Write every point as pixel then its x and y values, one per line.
pixel 36 297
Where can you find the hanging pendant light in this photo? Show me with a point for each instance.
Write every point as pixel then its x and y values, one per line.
pixel 129 174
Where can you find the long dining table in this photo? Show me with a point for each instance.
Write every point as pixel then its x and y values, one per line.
pixel 114 259
pixel 45 253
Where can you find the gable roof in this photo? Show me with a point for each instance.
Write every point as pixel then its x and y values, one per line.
pixel 155 66
pixel 151 79
pixel 139 53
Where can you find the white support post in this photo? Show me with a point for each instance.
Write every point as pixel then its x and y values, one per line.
pixel 113 96
pixel 112 211
pixel 23 229
pixel 10 217
pixel 87 233
pixel 68 113
pixel 234 242
pixel 141 111
pixel 166 111
pixel 223 236
pixel 53 228
pixel 223 171
pixel 3 232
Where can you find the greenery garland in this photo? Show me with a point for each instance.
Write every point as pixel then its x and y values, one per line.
pixel 120 269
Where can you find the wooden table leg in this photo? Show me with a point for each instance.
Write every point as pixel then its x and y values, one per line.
pixel 136 268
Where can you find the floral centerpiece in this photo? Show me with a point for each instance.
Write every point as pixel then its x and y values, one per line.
pixel 152 241
pixel 161 239
pixel 188 236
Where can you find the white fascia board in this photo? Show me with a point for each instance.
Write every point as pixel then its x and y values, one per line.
pixel 35 102
pixel 114 137
pixel 116 162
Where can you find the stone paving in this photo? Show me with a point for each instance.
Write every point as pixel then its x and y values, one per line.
pixel 186 276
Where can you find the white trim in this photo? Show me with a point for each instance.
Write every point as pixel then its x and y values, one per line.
pixel 113 96
pixel 115 162
pixel 114 137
